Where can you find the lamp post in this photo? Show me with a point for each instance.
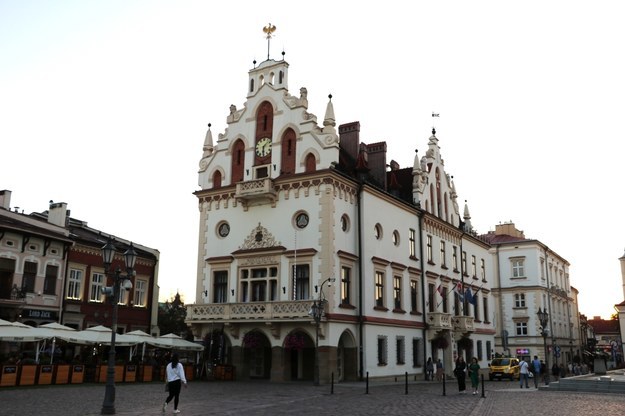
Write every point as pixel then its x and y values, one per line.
pixel 130 256
pixel 543 318
pixel 316 311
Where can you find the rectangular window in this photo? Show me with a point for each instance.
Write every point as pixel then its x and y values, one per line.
pixel 29 276
pixel 488 352
pixel 454 258
pixel 473 267
pixel 413 296
pixel 123 295
pixel 443 255
pixel 302 282
pixel 519 300
pixel 345 285
pixel 49 283
pixel 518 267
pixel 464 263
pixel 416 352
pixel 95 291
pixel 412 245
pixel 476 310
pixel 400 350
pixel 141 293
pixel 397 292
pixel 382 351
pixel 220 286
pixel 479 351
pixel 457 306
pixel 485 301
pixel 521 328
pixel 74 285
pixel 483 270
pixel 431 298
pixel 429 248
pixel 260 284
pixel 444 301
pixel 379 289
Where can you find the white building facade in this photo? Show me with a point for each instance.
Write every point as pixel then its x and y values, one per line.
pixel 294 214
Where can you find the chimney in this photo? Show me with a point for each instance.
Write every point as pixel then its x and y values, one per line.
pixel 58 213
pixel 5 199
pixel 350 138
pixel 508 229
pixel 377 162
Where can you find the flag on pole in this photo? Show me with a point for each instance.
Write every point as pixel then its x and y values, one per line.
pixel 439 289
pixel 470 298
pixel 458 290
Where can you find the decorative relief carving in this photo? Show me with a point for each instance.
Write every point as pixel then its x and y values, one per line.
pixel 259 238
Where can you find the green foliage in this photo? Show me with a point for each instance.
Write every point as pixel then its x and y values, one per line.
pixel 171 316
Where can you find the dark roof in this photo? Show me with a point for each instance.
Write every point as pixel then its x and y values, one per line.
pixel 604 326
pixel 14 223
pixel 493 238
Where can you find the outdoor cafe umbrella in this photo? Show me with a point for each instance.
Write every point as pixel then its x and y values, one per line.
pixel 101 335
pixel 55 330
pixel 139 337
pixel 175 342
pixel 17 332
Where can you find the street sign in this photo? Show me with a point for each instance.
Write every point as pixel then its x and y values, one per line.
pixel 557 349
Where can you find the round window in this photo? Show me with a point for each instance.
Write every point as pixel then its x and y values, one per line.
pixel 223 229
pixel 301 220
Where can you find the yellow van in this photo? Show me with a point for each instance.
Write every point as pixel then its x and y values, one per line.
pixel 504 368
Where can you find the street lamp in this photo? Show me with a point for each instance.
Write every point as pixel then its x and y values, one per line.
pixel 543 318
pixel 130 257
pixel 316 311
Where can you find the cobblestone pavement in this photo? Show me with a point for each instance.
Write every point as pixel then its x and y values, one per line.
pixel 275 399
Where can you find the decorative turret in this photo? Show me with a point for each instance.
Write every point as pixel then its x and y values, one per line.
pixel 467 218
pixel 208 149
pixel 329 121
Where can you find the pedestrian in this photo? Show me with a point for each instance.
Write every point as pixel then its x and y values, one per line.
pixel 555 371
pixel 459 372
pixel 429 370
pixel 536 367
pixel 474 373
pixel 439 370
pixel 544 372
pixel 524 373
pixel 175 378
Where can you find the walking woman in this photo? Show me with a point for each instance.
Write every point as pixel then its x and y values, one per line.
pixel 474 373
pixel 460 374
pixel 175 378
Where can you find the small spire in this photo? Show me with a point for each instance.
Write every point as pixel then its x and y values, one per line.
pixel 208 140
pixel 329 121
pixel 467 216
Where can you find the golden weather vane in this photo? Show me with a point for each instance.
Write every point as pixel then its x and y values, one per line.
pixel 269 29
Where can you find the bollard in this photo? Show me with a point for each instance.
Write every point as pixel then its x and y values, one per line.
pixel 332 384
pixel 482 385
pixel 444 377
pixel 367 383
pixel 406 383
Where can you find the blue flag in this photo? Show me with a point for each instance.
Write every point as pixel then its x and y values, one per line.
pixel 469 296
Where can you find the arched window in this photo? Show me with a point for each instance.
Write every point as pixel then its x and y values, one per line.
pixel 439 204
pixel 446 207
pixel 287 162
pixel 311 163
pixel 217 179
pixel 432 201
pixel 238 161
pixel 281 77
pixel 251 85
pixel 264 130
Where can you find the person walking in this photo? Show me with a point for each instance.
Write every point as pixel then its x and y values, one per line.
pixel 459 372
pixel 175 378
pixel 524 370
pixel 537 369
pixel 429 370
pixel 474 374
pixel 439 370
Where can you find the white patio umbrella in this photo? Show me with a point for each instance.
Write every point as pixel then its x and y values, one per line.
pixel 175 342
pixel 102 335
pixel 53 331
pixel 141 338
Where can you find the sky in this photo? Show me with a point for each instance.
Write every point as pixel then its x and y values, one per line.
pixel 104 105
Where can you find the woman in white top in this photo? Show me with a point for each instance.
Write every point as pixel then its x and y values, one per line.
pixel 175 378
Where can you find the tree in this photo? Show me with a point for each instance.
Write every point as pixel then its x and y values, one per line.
pixel 171 316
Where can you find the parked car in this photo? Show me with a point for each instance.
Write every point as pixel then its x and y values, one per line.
pixel 504 368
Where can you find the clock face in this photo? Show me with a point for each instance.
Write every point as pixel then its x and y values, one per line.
pixel 263 147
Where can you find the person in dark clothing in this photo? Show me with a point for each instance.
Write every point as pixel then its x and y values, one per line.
pixel 459 372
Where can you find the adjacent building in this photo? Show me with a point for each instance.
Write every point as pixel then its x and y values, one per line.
pixel 530 276
pixel 299 216
pixel 51 270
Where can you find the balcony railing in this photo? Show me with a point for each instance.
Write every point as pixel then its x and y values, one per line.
pixel 438 321
pixel 256 191
pixel 233 312
pixel 464 324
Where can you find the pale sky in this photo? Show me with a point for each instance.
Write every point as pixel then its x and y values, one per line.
pixel 104 106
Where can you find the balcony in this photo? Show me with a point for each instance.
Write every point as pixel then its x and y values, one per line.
pixel 256 192
pixel 256 311
pixel 464 324
pixel 438 321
